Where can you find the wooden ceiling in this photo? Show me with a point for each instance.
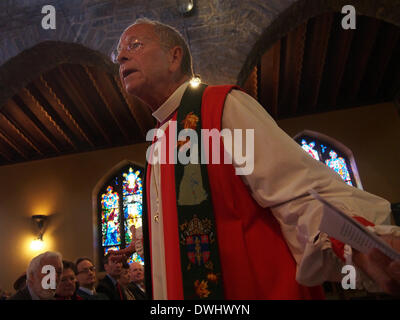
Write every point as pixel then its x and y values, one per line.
pixel 69 109
pixel 319 67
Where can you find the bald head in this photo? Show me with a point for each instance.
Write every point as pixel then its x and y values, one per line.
pixel 136 272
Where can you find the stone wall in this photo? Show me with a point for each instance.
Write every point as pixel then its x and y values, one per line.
pixel 221 32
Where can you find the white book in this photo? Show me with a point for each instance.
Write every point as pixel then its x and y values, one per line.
pixel 340 226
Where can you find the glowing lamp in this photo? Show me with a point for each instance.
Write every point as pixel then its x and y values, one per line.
pixel 195 81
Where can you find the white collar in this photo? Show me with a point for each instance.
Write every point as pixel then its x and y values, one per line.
pixel 172 103
pixel 88 291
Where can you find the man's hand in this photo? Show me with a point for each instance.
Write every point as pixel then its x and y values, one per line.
pixel 124 254
pixel 383 270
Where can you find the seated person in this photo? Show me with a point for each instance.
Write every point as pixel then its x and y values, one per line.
pixel 109 284
pixel 34 289
pixel 86 276
pixel 66 290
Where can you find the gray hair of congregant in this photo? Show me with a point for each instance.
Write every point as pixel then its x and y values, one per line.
pixel 35 262
pixel 169 38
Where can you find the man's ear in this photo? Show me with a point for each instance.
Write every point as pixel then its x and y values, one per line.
pixel 176 55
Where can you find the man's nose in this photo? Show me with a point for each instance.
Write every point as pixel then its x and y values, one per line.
pixel 122 57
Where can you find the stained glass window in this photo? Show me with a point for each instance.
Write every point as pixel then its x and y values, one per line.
pixel 120 207
pixel 329 155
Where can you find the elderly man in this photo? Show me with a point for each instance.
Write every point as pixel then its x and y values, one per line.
pixel 48 264
pixel 219 231
pixel 136 286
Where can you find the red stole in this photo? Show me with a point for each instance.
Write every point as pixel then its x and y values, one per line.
pixel 255 259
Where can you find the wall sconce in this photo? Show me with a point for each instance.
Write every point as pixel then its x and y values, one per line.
pixel 185 6
pixel 39 221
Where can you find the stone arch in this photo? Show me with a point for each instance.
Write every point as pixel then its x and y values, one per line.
pixel 42 58
pixel 339 146
pixel 303 10
pixel 96 189
pixel 214 25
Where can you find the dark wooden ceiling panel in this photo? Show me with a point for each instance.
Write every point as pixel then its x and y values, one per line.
pixel 115 103
pixel 318 35
pixel 269 79
pixel 70 125
pixel 291 66
pixel 94 103
pixel 323 67
pixel 71 108
pixel 362 46
pixel 34 135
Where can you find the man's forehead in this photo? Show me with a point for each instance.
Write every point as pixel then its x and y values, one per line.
pixel 138 31
pixel 85 263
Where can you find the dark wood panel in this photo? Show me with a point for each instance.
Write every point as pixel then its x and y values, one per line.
pixel 64 143
pixel 291 71
pixel 363 43
pixel 72 103
pixel 318 34
pixel 269 79
pixel 80 100
pixel 32 135
pixel 377 66
pixel 71 126
pixel 115 104
pixel 94 104
pixel 138 109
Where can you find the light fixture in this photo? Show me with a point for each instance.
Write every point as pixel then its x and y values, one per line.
pixel 195 81
pixel 185 6
pixel 38 243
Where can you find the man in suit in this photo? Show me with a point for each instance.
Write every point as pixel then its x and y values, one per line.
pixel 34 289
pixel 109 285
pixel 86 275
pixel 136 286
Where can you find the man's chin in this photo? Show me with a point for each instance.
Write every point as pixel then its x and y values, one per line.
pixel 47 294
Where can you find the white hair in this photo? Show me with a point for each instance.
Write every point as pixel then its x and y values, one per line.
pixel 35 262
pixel 169 38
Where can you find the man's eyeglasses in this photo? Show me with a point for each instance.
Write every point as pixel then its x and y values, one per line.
pixel 133 46
pixel 86 270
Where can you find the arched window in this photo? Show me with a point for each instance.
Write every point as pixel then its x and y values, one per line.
pixel 120 207
pixel 331 153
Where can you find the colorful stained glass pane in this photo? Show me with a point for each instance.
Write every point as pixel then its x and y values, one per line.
pixel 338 164
pixel 132 201
pixel 114 248
pixel 309 148
pixel 136 258
pixel 110 218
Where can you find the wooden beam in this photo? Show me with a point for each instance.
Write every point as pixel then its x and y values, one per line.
pixel 26 126
pixel 385 46
pixel 7 122
pixel 82 103
pixel 251 84
pixel 292 68
pixel 107 103
pixel 138 109
pixel 341 54
pixel 8 140
pixel 364 42
pixel 46 117
pixel 314 60
pixel 59 106
pixel 269 79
